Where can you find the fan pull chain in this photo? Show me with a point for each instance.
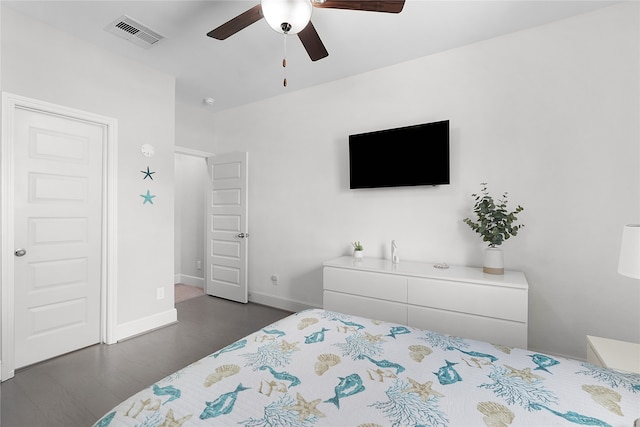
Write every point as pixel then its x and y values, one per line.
pixel 284 62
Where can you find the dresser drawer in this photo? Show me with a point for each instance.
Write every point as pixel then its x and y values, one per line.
pixel 495 331
pixel 473 298
pixel 374 285
pixel 365 307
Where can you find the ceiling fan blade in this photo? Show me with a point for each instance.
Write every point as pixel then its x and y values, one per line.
pixel 238 23
pixel 389 6
pixel 312 43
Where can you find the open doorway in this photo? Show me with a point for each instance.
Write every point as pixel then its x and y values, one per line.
pixel 190 181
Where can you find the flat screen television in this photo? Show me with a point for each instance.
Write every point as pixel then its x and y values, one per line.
pixel 406 156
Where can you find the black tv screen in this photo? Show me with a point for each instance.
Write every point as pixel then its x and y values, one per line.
pixel 406 156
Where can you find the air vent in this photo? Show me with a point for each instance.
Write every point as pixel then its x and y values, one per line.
pixel 133 31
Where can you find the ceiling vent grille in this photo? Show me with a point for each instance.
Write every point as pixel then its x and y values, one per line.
pixel 133 31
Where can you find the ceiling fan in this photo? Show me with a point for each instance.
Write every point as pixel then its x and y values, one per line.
pixel 294 17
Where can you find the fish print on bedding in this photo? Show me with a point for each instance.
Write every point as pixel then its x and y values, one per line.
pixel 321 368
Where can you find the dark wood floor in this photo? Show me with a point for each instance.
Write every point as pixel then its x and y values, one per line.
pixel 79 388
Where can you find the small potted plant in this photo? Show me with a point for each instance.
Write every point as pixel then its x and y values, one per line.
pixel 495 224
pixel 357 250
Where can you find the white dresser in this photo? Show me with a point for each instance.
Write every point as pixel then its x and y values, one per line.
pixel 461 301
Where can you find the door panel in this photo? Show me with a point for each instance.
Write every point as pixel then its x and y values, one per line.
pixel 227 227
pixel 58 221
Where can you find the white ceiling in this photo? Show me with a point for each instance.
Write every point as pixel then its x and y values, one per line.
pixel 248 66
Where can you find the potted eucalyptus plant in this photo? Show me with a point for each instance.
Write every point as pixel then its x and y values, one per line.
pixel 357 250
pixel 495 224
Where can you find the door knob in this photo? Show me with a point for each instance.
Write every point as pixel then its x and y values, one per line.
pixel 243 235
pixel 20 252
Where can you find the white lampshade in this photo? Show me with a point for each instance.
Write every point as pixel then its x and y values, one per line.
pixel 629 264
pixel 296 13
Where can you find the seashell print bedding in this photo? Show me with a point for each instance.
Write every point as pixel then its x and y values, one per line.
pixel 322 368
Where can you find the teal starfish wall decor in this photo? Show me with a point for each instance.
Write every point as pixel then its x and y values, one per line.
pixel 147 197
pixel 147 174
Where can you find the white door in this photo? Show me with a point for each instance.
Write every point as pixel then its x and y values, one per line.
pixel 227 233
pixel 58 194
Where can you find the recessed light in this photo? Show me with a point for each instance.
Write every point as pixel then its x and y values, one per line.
pixel 208 101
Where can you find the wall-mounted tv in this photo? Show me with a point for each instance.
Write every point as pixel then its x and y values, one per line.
pixel 406 156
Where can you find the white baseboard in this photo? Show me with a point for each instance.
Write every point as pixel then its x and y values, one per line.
pixel 146 324
pixel 185 279
pixel 6 375
pixel 277 302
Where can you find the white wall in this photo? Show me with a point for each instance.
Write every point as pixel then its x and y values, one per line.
pixel 0 134
pixel 550 114
pixel 190 178
pixel 43 63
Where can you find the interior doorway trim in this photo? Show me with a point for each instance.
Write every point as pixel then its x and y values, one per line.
pixel 191 152
pixel 11 102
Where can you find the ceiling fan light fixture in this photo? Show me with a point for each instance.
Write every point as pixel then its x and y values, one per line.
pixel 281 15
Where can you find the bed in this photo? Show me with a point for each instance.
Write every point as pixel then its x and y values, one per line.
pixel 323 368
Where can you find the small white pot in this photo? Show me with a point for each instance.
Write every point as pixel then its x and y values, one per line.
pixel 493 261
pixel 358 254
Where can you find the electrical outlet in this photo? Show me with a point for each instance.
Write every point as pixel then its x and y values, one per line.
pixel 160 293
pixel 274 280
pixel 199 265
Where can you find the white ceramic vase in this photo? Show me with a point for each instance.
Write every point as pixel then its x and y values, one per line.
pixel 493 261
pixel 358 254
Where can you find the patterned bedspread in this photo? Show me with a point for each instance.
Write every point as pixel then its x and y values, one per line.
pixel 321 368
